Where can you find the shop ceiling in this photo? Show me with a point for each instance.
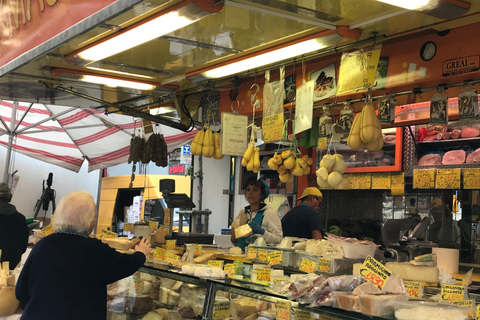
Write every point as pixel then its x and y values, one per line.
pixel 241 28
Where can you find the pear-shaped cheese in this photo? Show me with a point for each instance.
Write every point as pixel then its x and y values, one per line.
pixel 334 179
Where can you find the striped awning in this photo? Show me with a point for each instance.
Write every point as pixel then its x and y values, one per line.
pixel 66 136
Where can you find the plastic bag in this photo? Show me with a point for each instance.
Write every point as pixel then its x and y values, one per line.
pixel 468 103
pixel 273 94
pixel 304 107
pixel 439 108
pixel 386 108
pixel 346 118
pixel 325 125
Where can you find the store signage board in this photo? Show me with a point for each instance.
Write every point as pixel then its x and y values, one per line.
pixel 471 178
pixel 264 274
pixel 171 258
pixel 171 244
pixel 48 230
pixel 262 255
pixel 451 292
pixel 375 272
pixel 423 179
pixel 363 181
pixel 448 179
pixel 346 183
pixel 159 253
pixel 303 315
pixel 233 140
pixel 215 263
pixel 397 184
pixel 461 65
pixel 381 181
pixel 31 30
pixel 354 76
pixel 272 127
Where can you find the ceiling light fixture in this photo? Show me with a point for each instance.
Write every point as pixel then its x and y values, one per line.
pixel 411 4
pixel 162 110
pixel 443 9
pixel 167 21
pixel 120 73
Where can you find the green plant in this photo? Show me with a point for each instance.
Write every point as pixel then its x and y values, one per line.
pixel 193 175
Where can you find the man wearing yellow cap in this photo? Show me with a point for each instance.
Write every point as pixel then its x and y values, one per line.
pixel 303 221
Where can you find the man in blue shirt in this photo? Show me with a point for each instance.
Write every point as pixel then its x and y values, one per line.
pixel 303 221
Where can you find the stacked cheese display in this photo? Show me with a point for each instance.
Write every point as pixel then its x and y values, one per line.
pixel 330 173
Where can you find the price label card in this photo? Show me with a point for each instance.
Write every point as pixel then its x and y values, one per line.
pixel 152 225
pixel 424 179
pixel 272 127
pixel 375 272
pixel 48 230
pixel 397 179
pixel 324 265
pixel 222 310
pixel 171 244
pixel 307 265
pixel 278 280
pixel 283 310
pixel 137 284
pixel 274 257
pixel 478 312
pixel 262 255
pixel 252 254
pixel 451 292
pixel 467 278
pixel 171 258
pixel 303 315
pixel 362 181
pixel 159 253
pixel 466 303
pixel 346 184
pixel 166 218
pixel 166 229
pixel 229 268
pixel 128 227
pixel 354 76
pixel 448 179
pixel 215 263
pixel 107 234
pixel 322 143
pixel 264 274
pixel 471 178
pixel 198 249
pixel 381 181
pixel 413 288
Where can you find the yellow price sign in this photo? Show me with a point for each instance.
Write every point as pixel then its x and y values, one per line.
pixel 375 272
pixel 322 143
pixel 152 225
pixel 467 278
pixel 171 244
pixel 451 292
pixel 274 257
pixel 252 254
pixel 198 249
pixel 264 274
pixel 346 184
pixel 478 312
pixel 471 178
pixel 283 310
pixel 424 179
pixel 107 234
pixel 215 263
pixel 381 181
pixel 166 229
pixel 413 288
pixel 159 253
pixel 137 284
pixel 324 265
pixel 48 230
pixel 357 71
pixel 128 227
pixel 302 315
pixel 222 310
pixel 171 258
pixel 307 265
pixel 166 218
pixel 262 255
pixel 272 127
pixel 448 179
pixel 397 179
pixel 229 268
pixel 465 303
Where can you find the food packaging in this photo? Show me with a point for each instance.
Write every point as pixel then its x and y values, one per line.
pixel 468 103
pixel 356 251
pixel 439 108
pixel 346 118
pixel 386 108
pixel 424 310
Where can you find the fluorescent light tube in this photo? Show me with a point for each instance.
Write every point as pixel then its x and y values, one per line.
pixel 161 110
pixel 412 4
pixel 109 82
pixel 120 72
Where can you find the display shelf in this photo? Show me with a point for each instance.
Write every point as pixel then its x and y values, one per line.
pixel 450 143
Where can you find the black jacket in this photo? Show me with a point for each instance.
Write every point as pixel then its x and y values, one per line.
pixel 13 234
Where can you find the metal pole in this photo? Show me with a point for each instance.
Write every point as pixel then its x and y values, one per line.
pixel 10 141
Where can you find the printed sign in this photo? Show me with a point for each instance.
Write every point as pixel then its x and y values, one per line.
pixel 171 258
pixel 397 187
pixel 413 288
pixel 262 255
pixel 461 65
pixel 448 179
pixel 357 71
pixel 362 181
pixel 471 178
pixel 466 303
pixel 424 179
pixel 283 310
pixel 159 253
pixel 48 230
pixel 222 310
pixel 274 257
pixel 107 234
pixel 381 181
pixel 264 274
pixel 324 265
pixel 452 292
pixel 229 268
pixel 171 244
pixel 307 265
pixel 375 272
pixel 303 315
pixel 252 254
pixel 215 263
pixel 233 140
pixel 322 143
pixel 347 182
pixel 152 225
pixel 198 249
pixel 272 127
pixel 128 227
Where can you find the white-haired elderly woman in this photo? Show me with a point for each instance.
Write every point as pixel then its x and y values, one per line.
pixel 67 273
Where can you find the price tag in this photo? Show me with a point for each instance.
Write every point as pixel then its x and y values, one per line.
pixel 471 178
pixel 448 179
pixel 397 179
pixel 413 288
pixel 375 272
pixel 159 253
pixel 307 265
pixel 264 274
pixel 262 255
pixel 354 76
pixel 283 310
pixel 222 310
pixel 171 258
pixel 137 284
pixel 303 315
pixel 324 265
pixel 274 257
pixel 467 278
pixel 466 303
pixel 106 234
pixel 381 181
pixel 198 249
pixel 171 244
pixel 215 263
pixel 278 280
pixel 272 127
pixel 166 229
pixel 424 179
pixel 252 254
pixel 229 268
pixel 452 292
pixel 48 230
pixel 166 218
pixel 152 225
pixel 346 184
pixel 478 312
pixel 322 143
pixel 362 181
pixel 128 227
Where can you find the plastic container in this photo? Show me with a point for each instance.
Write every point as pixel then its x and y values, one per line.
pixel 424 310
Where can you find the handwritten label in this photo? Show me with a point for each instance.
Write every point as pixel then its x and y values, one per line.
pixel 303 315
pixel 171 244
pixel 166 218
pixel 107 234
pixel 262 255
pixel 128 227
pixel 272 127
pixel 413 288
pixel 307 265
pixel 229 268
pixel 346 184
pixel 48 230
pixel 375 272
pixel 222 310
pixel 215 263
pixel 198 249
pixel 166 229
pixel 324 265
pixel 397 179
pixel 279 280
pixel 478 312
pixel 467 278
pixel 465 303
pixel 448 179
pixel 424 179
pixel 274 257
pixel 362 181
pixel 159 253
pixel 171 258
pixel 153 225
pixel 137 284
pixel 264 274
pixel 357 71
pixel 252 254
pixel 381 181
pixel 452 292
pixel 283 310
pixel 322 143
pixel 471 178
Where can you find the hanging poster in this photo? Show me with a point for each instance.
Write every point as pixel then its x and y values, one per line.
pixel 381 75
pixel 290 89
pixel 304 107
pixel 357 71
pixel 325 86
pixel 233 140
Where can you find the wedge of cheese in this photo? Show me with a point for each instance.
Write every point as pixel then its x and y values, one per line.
pixel 347 302
pixel 243 231
pixel 413 273
pixel 379 305
pixel 205 257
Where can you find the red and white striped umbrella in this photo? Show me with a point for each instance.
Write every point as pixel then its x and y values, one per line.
pixel 66 136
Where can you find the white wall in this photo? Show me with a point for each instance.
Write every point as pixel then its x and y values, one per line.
pixel 32 172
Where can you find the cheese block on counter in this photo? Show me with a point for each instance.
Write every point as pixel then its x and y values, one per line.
pixel 243 231
pixel 413 273
pixel 347 301
pixel 205 257
pixel 8 302
pixel 379 305
pixel 366 288
pixel 245 307
pixel 123 243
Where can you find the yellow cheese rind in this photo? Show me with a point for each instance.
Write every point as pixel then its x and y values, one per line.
pixel 243 231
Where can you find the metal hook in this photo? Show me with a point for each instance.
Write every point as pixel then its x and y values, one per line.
pixel 253 99
pixel 238 105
